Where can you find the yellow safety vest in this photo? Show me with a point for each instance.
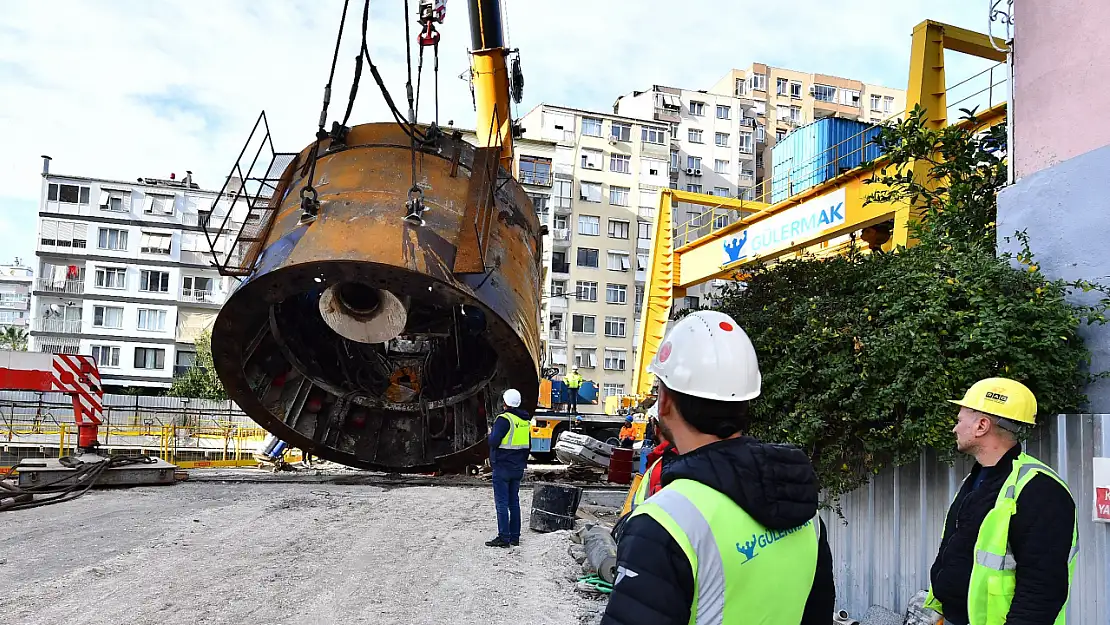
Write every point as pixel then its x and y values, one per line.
pixel 994 573
pixel 743 572
pixel 519 434
pixel 645 484
pixel 573 380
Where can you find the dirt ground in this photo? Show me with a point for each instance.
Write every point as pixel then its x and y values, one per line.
pixel 279 554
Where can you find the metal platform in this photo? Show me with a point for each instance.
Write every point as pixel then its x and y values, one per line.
pixel 43 471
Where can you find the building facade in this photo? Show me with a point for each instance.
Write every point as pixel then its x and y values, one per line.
pixel 15 296
pixel 607 174
pixel 784 99
pixel 124 274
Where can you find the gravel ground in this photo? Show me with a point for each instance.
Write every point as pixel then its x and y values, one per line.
pixel 274 554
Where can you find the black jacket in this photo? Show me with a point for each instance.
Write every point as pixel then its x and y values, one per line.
pixel 775 484
pixel 1040 538
pixel 508 462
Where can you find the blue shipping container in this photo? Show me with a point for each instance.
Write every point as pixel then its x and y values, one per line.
pixel 818 152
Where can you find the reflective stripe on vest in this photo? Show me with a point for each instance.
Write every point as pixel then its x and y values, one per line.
pixel 742 571
pixel 994 575
pixel 519 435
pixel 573 380
pixel 645 484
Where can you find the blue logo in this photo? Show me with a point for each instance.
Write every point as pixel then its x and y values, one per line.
pixel 766 539
pixel 748 549
pixel 734 245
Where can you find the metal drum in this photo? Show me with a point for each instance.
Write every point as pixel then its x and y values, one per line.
pixel 377 341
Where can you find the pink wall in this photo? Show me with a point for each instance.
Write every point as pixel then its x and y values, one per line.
pixel 1061 81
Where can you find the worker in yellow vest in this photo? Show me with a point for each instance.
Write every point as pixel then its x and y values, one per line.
pixel 734 535
pixel 573 382
pixel 1010 540
pixel 510 442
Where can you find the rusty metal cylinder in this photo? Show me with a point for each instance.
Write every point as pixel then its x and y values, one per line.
pixel 381 333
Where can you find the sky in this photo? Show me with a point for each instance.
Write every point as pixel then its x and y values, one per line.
pixel 123 89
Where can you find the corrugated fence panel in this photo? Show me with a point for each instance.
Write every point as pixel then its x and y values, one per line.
pixel 890 530
pixel 124 409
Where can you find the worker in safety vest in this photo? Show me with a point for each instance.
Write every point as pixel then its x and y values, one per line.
pixel 627 436
pixel 1010 539
pixel 573 382
pixel 734 535
pixel 509 445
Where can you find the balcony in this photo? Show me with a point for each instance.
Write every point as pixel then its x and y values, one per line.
pixel 747 122
pixel 668 114
pixel 643 245
pixel 747 178
pixel 58 326
pixel 557 335
pixel 204 296
pixel 560 268
pixel 18 301
pixel 57 345
pixel 538 178
pixel 75 287
pixel 557 302
pixel 561 205
pixel 647 213
pixel 560 237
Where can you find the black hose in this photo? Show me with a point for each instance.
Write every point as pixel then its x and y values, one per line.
pixel 83 478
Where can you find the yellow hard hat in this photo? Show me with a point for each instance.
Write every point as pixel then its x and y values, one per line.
pixel 1001 397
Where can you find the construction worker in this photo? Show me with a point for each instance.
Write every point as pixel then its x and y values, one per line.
pixel 573 382
pixel 1009 544
pixel 509 446
pixel 627 436
pixel 734 535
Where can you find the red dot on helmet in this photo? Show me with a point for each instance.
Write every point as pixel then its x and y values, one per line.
pixel 665 352
pixel 726 326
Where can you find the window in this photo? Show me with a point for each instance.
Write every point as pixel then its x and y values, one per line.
pixel 720 221
pixel 693 188
pixel 653 135
pixel 780 134
pixel 585 357
pixel 612 390
pixel 760 133
pixel 758 82
pixel 693 162
pixel 111 277
pixel 796 114
pixel 539 201
pixel 674 159
pixel 591 191
pixel 876 102
pixel 642 262
pixel 849 97
pixel 587 257
pixel 535 170
pixel 876 120
pixel 617 261
pixel 616 293
pixel 583 324
pixel 152 319
pixel 721 139
pixel 653 166
pixel 591 159
pixel 724 112
pixel 796 90
pixel 639 297
pixel 746 143
pixel 620 132
pixel 105 355
pixel 559 287
pixel 107 317
pixel 154 281
pixel 888 104
pixel 722 192
pixel 615 359
pixel 67 193
pixel 824 93
pixel 694 135
pixel 644 232
pixel 781 85
pixel 159 204
pixel 620 163
pixel 112 200
pixel 618 229
pixel 618 196
pixel 150 358
pixel 563 190
pixel 591 127
pixel 720 166
pixel 697 108
pixel 155 243
pixel 589 225
pixel 647 212
pixel 561 222
pixel 691 301
pixel 741 87
pixel 112 239
pixel 64 233
pixel 197 288
pixel 615 326
pixel 585 291
pixel 748 194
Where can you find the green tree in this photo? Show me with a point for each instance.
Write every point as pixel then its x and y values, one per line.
pixel 859 353
pixel 13 338
pixel 200 381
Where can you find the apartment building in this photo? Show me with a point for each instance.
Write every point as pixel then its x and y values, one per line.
pixel 785 99
pixel 15 295
pixel 124 274
pixel 607 173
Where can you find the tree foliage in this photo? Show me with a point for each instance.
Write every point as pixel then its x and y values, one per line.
pixel 200 381
pixel 13 338
pixel 859 353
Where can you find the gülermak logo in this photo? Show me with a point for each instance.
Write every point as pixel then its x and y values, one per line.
pixel 761 541
pixel 733 247
pixel 784 229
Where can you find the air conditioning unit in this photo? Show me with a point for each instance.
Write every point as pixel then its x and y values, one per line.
pixel 812 90
pixel 612 140
pixel 690 171
pixel 697 172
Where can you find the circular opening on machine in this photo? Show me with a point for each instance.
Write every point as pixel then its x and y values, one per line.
pixel 359 299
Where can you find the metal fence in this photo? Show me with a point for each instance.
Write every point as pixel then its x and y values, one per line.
pixel 885 543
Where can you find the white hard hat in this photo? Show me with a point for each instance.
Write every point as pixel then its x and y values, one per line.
pixel 706 354
pixel 512 398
